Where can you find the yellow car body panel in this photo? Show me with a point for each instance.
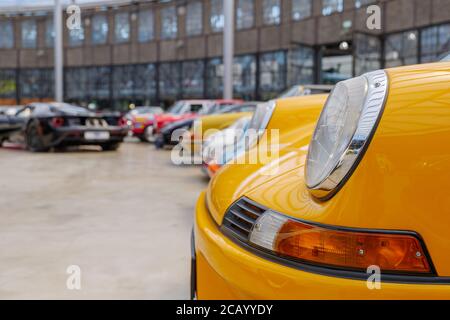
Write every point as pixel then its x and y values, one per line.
pixel 402 183
pixel 227 271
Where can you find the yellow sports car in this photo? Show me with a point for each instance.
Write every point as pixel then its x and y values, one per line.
pixel 208 125
pixel 357 208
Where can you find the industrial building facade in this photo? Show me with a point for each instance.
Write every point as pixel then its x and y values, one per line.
pixel 148 52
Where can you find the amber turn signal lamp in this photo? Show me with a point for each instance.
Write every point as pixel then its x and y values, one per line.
pixel 213 168
pixel 393 253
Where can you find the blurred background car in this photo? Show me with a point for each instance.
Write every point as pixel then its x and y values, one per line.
pixel 305 90
pixel 9 110
pixel 187 109
pixel 42 126
pixel 203 127
pixel 223 146
pixel 179 110
pixel 165 137
pixel 144 110
pixel 141 117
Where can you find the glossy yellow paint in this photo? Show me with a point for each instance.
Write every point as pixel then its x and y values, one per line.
pixel 402 183
pixel 226 271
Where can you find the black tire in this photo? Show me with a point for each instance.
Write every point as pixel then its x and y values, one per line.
pixel 112 146
pixel 142 139
pixel 147 135
pixel 61 148
pixel 159 143
pixel 34 142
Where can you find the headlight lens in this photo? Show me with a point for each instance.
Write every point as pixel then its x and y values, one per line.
pixel 344 129
pixel 259 122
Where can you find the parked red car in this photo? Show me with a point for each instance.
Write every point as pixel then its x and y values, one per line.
pixel 183 110
pixel 140 118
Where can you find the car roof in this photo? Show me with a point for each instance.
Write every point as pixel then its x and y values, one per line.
pixel 52 104
pixel 197 101
pixel 317 86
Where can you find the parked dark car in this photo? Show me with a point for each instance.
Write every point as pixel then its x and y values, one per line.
pixel 165 136
pixel 42 126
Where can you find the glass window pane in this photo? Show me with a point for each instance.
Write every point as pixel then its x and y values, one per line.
pixel 6 34
pixel 194 18
pixel 272 78
pixel 169 81
pixel 145 83
pixel 435 43
pixel 217 17
pixel 76 36
pixel 76 84
pixel 146 26
pixel 401 49
pixel 49 32
pixel 244 77
pixel 122 27
pixel 361 3
pixel 301 66
pixel 29 33
pixel 123 82
pixel 301 9
pixel 332 6
pixel 272 12
pixel 133 84
pixel 245 14
pixel 98 82
pixel 36 83
pixel 214 78
pixel 193 79
pixel 99 31
pixel 336 68
pixel 367 53
pixel 7 86
pixel 169 26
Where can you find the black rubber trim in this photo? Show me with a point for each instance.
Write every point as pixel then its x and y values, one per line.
pixel 334 271
pixel 193 268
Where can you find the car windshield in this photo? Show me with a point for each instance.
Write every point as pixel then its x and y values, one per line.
pixel 218 108
pixel 144 110
pixel 177 108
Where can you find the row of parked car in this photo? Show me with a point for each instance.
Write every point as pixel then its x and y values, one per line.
pixel 202 129
pixel 352 202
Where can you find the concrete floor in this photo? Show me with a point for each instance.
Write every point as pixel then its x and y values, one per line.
pixel 123 217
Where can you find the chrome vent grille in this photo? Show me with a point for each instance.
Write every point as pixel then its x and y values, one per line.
pixel 240 218
pixel 96 123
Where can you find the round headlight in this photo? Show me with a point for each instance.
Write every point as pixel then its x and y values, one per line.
pixel 259 122
pixel 345 127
